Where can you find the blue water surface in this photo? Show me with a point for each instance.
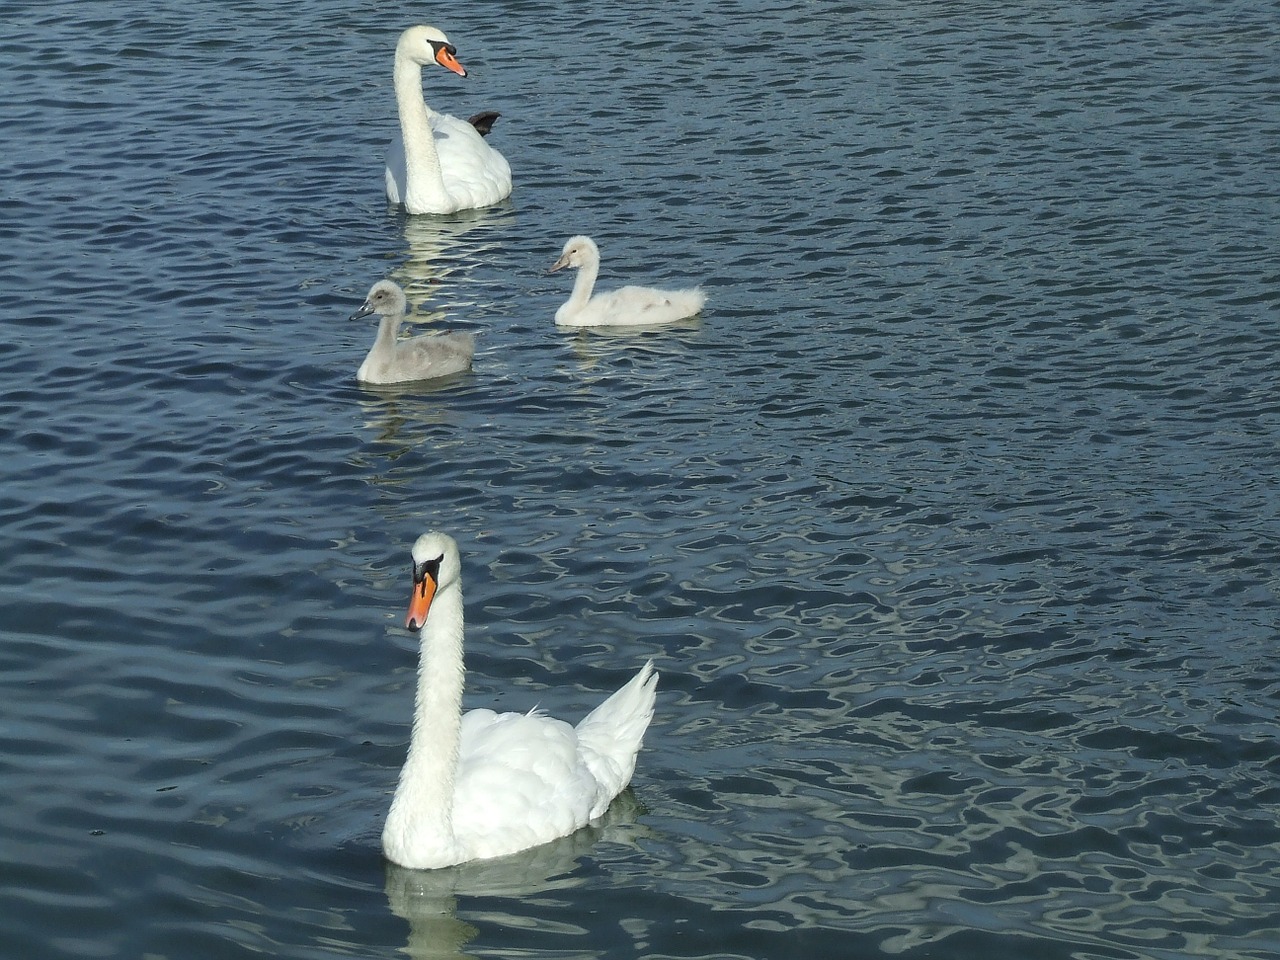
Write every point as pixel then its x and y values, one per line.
pixel 952 524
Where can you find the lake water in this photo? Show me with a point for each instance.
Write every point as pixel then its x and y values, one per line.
pixel 953 525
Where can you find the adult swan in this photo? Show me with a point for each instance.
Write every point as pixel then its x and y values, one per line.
pixel 439 163
pixel 485 784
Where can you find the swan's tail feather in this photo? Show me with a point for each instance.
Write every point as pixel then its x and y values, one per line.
pixel 610 735
pixel 686 303
pixel 667 306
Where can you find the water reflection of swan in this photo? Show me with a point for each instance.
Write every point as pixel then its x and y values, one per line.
pixel 439 163
pixel 392 360
pixel 436 248
pixel 627 305
pixel 428 899
pixel 483 784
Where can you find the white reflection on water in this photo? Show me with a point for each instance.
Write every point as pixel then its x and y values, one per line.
pixel 429 899
pixel 441 251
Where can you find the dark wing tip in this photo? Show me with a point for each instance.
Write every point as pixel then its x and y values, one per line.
pixel 483 121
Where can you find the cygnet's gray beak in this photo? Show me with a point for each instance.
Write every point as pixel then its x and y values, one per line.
pixel 562 262
pixel 364 311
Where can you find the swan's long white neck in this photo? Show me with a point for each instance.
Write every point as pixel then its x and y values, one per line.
pixel 583 284
pixel 423 803
pixel 424 182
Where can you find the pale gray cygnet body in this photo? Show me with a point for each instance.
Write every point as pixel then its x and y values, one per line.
pixel 392 360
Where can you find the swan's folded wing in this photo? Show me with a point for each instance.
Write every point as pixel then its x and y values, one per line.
pixel 394 172
pixel 521 782
pixel 435 355
pixel 642 306
pixel 475 174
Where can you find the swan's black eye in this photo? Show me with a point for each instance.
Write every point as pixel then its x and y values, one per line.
pixel 427 568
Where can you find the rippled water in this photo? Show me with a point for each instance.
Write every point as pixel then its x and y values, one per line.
pixel 952 524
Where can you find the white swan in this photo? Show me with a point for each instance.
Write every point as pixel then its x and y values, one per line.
pixel 485 784
pixel 627 305
pixel 439 163
pixel 391 360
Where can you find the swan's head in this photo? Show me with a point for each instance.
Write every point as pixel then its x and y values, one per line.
pixel 423 45
pixel 435 567
pixel 577 251
pixel 385 298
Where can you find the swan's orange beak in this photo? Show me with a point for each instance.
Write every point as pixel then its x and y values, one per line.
pixel 424 589
pixel 445 57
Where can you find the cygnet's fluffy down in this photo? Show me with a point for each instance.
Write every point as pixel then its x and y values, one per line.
pixel 392 360
pixel 625 306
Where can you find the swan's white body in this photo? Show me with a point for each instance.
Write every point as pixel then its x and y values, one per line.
pixel 439 163
pixel 392 360
pixel 485 784
pixel 625 306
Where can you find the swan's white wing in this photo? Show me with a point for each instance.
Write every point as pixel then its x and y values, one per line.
pixel 435 355
pixel 609 736
pixel 395 172
pixel 521 781
pixel 638 306
pixel 474 174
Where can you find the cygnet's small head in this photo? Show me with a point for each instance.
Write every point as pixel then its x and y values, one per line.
pixel 436 567
pixel 385 298
pixel 577 251
pixel 423 45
